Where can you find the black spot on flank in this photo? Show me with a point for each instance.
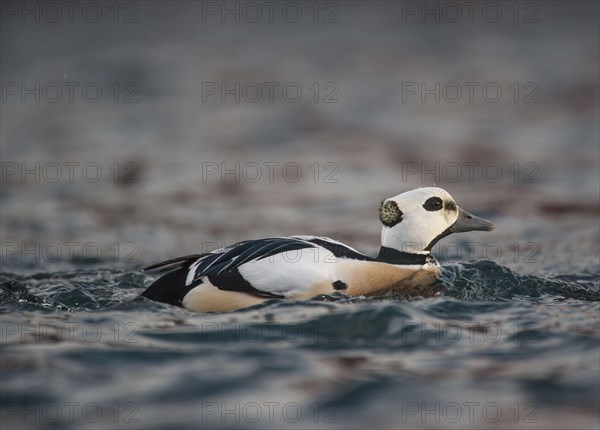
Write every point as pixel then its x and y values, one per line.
pixel 339 286
pixel 433 204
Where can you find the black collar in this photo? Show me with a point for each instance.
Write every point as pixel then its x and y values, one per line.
pixel 393 256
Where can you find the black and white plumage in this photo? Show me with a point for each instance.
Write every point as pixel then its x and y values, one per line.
pixel 301 267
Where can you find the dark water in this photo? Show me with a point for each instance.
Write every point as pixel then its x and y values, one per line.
pixel 512 343
pixel 497 349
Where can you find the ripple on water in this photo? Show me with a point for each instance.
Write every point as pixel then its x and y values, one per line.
pixel 493 336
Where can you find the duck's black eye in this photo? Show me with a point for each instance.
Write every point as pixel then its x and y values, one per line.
pixel 433 204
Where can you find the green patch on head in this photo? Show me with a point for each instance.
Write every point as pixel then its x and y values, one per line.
pixel 450 206
pixel 389 213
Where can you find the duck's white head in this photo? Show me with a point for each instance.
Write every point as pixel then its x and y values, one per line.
pixel 416 220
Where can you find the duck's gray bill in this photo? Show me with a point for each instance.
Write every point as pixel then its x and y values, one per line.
pixel 469 222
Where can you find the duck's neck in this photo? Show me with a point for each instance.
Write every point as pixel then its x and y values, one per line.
pixel 393 256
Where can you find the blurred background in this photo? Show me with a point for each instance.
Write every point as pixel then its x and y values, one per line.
pixel 136 131
pixel 498 104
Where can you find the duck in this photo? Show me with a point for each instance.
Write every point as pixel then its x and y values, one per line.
pixel 253 271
